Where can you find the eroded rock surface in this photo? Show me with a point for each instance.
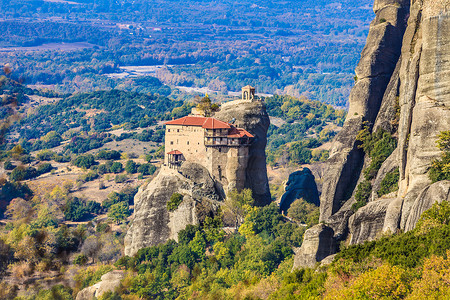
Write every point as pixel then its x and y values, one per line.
pixel 301 184
pixel 152 223
pixel 109 282
pixel 253 117
pixel 403 88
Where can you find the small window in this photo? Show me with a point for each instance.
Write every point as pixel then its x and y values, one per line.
pixel 188 142
pixel 171 142
pixel 178 130
pixel 220 149
pixel 168 130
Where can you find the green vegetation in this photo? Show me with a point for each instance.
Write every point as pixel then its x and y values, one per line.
pixel 307 126
pixel 84 161
pixel 378 146
pixel 119 212
pixel 304 212
pixel 440 169
pixel 389 183
pixel 174 202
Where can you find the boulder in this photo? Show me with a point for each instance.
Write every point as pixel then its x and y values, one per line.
pixel 301 184
pixel 318 243
pixel 109 282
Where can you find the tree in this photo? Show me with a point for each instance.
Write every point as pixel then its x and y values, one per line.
pixel 84 161
pixel 90 247
pixel 237 203
pixel 174 201
pixel 131 167
pixel 19 210
pixel 116 167
pixel 119 212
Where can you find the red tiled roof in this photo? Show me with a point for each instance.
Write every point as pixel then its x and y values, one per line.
pixel 188 121
pixel 212 123
pixel 175 152
pixel 207 123
pixel 239 132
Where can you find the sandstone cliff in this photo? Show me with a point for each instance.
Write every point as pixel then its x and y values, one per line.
pixel 403 88
pixel 252 116
pixel 153 224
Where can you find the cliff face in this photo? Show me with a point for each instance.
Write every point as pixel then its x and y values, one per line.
pixel 253 117
pixel 403 88
pixel 153 224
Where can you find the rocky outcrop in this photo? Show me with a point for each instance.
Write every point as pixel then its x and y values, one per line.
pixel 318 243
pixel 403 88
pixel 152 223
pixel 109 282
pixel 252 116
pixel 301 184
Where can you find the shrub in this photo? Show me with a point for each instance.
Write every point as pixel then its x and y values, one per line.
pixel 89 176
pixel 84 161
pixel 174 202
pixel 107 155
pixel 362 194
pixel 304 212
pixel 8 165
pixel 44 168
pixel 440 168
pixel 116 167
pixel 131 167
pixel 389 183
pixel 75 210
pixel 45 155
pixel 121 178
pixel 80 259
pixel 119 212
pixel 23 173
pixel 146 169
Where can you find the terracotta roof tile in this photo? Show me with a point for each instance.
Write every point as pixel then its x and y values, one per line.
pixel 207 123
pixel 175 152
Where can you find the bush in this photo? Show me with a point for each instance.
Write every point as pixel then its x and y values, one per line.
pixel 23 173
pixel 8 165
pixel 89 176
pixel 84 161
pixel 389 183
pixel 108 155
pixel 75 210
pixel 119 212
pixel 121 178
pixel 146 169
pixel 440 168
pixel 116 167
pixel 174 202
pixel 131 167
pixel 304 212
pixel 80 259
pixel 362 194
pixel 45 155
pixel 44 168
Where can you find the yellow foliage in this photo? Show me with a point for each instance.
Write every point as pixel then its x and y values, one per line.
pixel 435 280
pixel 385 282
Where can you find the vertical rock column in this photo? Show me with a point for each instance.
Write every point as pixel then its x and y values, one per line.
pixel 373 73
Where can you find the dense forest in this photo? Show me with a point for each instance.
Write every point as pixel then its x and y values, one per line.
pixel 301 48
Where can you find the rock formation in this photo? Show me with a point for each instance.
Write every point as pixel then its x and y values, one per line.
pixel 403 88
pixel 252 116
pixel 301 184
pixel 153 224
pixel 109 282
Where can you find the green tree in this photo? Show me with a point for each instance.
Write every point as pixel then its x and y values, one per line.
pixel 116 167
pixel 131 167
pixel 119 212
pixel 174 201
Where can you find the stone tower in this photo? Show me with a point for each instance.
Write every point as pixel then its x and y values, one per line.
pixel 248 93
